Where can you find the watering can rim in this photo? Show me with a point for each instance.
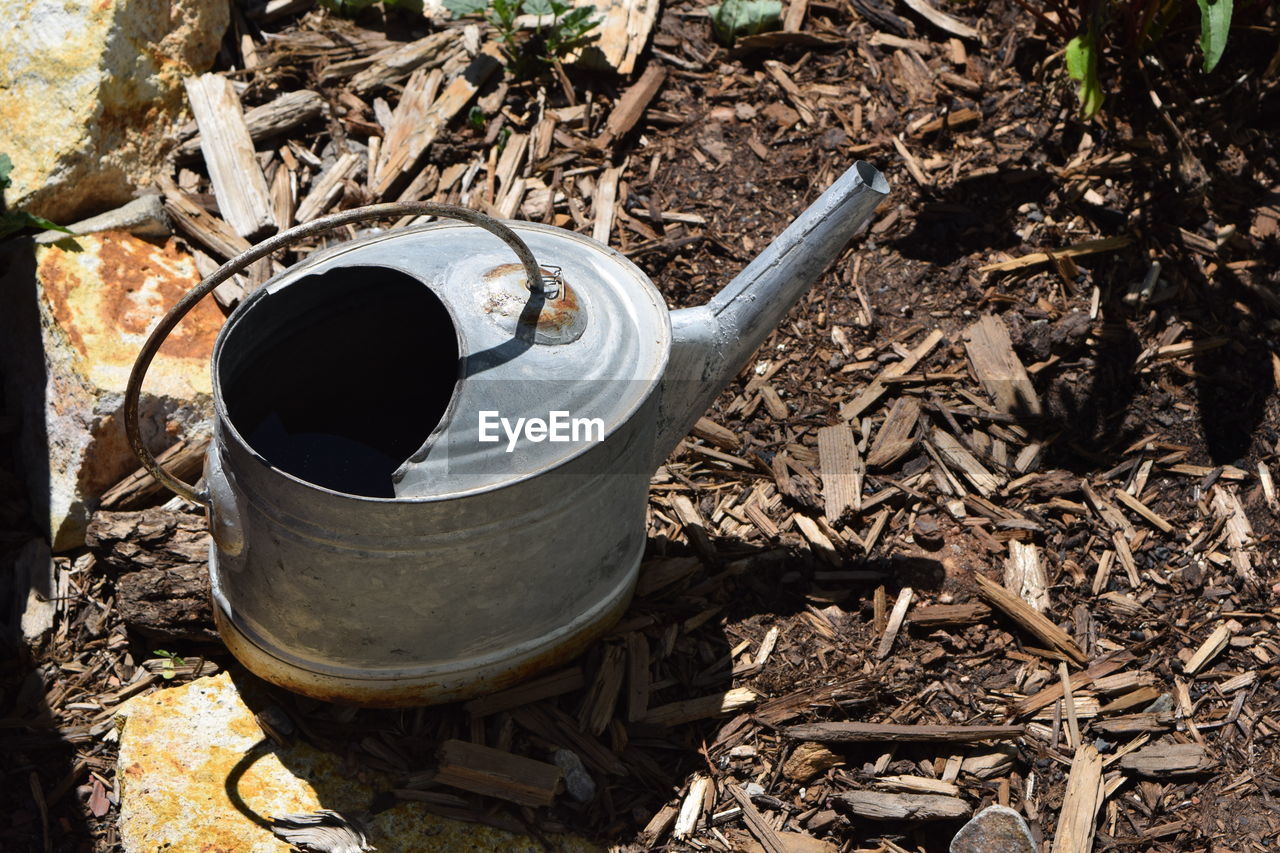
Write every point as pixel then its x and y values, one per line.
pixel 160 332
pixel 293 273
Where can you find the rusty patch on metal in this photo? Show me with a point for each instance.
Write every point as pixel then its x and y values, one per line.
pixel 558 314
pixel 389 695
pixel 555 315
pixel 503 269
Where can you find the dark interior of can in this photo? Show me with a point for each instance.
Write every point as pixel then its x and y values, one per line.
pixel 340 377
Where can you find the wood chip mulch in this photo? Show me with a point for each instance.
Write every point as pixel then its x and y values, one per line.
pixel 988 520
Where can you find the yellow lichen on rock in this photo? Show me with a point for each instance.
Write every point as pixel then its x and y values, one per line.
pixel 90 93
pixel 197 776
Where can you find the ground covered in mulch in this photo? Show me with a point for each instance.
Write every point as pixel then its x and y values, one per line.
pixel 1110 464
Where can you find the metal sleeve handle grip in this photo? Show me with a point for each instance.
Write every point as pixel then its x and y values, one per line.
pixel 133 391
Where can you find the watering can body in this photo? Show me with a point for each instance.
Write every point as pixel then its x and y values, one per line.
pixel 417 602
pixel 429 467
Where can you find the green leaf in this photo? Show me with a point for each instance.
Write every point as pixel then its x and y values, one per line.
pixel 34 221
pixel 733 18
pixel 1215 23
pixel 462 8
pixel 580 18
pixel 1082 65
pixel 503 16
pixel 538 7
pixel 13 221
pixel 168 669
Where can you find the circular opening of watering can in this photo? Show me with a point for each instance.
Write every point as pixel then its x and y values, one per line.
pixel 338 380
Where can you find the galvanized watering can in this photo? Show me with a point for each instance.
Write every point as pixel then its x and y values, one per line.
pixel 432 448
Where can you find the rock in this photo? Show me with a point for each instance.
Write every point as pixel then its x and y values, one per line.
pixel 142 217
pixel 90 94
pixel 75 317
pixel 186 752
pixel 34 593
pixel 995 829
pixel 928 533
pixel 808 761
pixel 577 781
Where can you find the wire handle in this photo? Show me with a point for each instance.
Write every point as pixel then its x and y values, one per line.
pixel 133 391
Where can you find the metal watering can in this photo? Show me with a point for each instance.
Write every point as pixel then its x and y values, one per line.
pixel 431 449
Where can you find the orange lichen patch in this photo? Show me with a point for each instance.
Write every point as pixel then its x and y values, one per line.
pixel 246 727
pixel 188 751
pixel 105 296
pixel 197 777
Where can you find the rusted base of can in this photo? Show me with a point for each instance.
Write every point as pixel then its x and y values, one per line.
pixel 426 685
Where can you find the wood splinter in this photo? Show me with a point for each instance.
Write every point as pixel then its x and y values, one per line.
pixel 890 732
pixel 879 805
pixel 494 773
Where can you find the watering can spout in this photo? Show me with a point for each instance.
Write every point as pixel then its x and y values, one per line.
pixel 712 343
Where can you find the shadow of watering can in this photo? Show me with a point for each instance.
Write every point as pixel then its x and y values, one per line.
pixel 430 460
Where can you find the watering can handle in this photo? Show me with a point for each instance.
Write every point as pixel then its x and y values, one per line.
pixel 133 391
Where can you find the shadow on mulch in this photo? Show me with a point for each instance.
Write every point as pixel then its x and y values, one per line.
pixel 972 215
pixel 777 587
pixel 1233 382
pixel 40 770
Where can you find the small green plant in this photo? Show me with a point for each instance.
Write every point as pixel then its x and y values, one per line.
pixel 1082 66
pixel 1215 23
pixel 13 221
pixel 171 662
pixel 476 118
pixel 733 18
pixel 1131 26
pixel 568 30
